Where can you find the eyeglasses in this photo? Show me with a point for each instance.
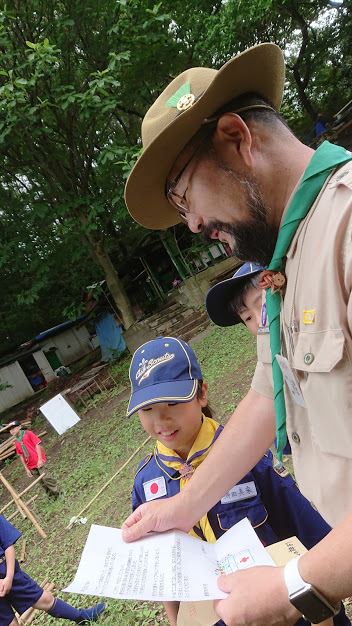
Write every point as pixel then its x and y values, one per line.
pixel 180 202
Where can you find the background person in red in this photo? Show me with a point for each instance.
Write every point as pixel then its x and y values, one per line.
pixel 29 449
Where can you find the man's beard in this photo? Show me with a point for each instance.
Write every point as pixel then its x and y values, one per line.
pixel 253 239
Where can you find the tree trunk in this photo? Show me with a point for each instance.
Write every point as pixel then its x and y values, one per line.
pixel 114 284
pixel 113 281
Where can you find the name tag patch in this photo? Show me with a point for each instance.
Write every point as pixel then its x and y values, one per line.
pixel 243 491
pixel 290 380
pixel 155 488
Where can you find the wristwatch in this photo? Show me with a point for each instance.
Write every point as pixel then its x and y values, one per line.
pixel 313 606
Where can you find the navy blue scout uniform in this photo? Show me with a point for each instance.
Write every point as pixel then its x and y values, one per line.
pixel 272 502
pixel 166 370
pixel 25 591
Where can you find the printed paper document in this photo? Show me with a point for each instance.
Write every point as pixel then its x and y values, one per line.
pixel 164 566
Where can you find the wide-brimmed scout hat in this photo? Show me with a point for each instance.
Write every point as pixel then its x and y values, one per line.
pixel 164 369
pixel 177 115
pixel 219 297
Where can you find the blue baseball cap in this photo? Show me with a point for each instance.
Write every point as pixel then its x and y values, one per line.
pixel 164 369
pixel 219 297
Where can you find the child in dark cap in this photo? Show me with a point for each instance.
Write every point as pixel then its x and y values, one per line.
pixel 171 398
pixel 240 299
pixel 20 592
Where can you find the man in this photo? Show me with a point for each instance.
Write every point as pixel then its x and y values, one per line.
pixel 218 156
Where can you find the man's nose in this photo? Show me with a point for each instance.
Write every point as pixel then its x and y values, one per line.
pixel 194 223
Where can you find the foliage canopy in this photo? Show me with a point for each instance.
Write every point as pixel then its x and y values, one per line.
pixel 75 82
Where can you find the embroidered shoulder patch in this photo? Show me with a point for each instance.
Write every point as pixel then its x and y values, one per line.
pixel 155 488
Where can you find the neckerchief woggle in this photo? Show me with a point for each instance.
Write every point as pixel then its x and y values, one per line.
pixel 19 438
pixel 208 434
pixel 325 159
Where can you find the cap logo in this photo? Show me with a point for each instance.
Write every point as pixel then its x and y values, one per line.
pixel 182 99
pixel 146 366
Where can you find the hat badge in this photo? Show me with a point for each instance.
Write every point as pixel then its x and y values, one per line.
pixel 182 99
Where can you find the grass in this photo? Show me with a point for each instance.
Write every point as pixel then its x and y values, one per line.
pixel 87 455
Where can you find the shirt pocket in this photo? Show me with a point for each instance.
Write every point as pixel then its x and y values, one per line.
pixel 230 514
pixel 325 375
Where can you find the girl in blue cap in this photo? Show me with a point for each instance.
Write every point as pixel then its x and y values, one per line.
pixel 19 591
pixel 171 398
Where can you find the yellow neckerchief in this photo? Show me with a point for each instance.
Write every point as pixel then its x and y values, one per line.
pixel 208 433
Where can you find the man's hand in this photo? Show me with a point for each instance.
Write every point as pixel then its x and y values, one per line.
pixel 28 472
pixel 257 596
pixel 5 586
pixel 157 516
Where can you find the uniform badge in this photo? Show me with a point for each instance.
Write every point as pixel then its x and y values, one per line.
pixel 308 316
pixel 263 329
pixel 155 488
pixel 182 99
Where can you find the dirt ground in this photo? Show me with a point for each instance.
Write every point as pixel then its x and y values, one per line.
pixel 85 457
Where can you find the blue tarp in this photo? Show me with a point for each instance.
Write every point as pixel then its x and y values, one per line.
pixel 60 327
pixel 110 336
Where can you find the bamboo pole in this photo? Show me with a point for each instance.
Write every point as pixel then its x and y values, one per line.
pixel 23 506
pixel 108 482
pixel 15 497
pixel 24 491
pixel 10 517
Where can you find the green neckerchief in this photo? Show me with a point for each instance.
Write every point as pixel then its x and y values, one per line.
pixel 326 158
pixel 19 438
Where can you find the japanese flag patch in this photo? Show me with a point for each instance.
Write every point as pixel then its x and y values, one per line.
pixel 155 488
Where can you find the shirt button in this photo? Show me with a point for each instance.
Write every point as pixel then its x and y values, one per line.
pixel 308 358
pixel 296 438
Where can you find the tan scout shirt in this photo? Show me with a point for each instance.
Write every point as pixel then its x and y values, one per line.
pixel 317 340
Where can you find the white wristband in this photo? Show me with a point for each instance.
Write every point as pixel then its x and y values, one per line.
pixel 293 579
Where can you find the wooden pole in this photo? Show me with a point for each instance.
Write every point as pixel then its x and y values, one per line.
pixel 10 517
pixel 108 482
pixel 23 506
pixel 15 497
pixel 24 491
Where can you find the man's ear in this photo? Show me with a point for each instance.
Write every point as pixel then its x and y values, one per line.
pixel 232 131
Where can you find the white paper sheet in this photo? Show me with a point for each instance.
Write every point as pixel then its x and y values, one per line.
pixel 59 413
pixel 163 566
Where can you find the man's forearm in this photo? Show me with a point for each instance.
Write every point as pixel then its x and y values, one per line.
pixel 247 435
pixel 328 566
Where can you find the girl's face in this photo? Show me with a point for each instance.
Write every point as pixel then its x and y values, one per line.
pixel 251 312
pixel 175 424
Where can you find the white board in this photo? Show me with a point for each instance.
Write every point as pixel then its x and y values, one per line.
pixel 59 413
